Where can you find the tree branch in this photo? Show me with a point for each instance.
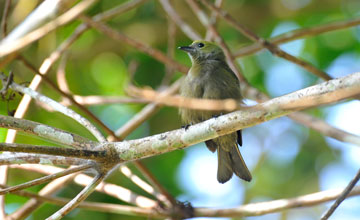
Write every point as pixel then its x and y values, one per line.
pixel 186 29
pixel 342 196
pixel 262 208
pixel 58 107
pixel 78 199
pixel 12 44
pixel 57 151
pixel 48 132
pixel 297 34
pixel 113 190
pixel 324 93
pixel 26 158
pixel 274 49
pixel 45 178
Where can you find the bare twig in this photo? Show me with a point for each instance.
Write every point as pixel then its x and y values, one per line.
pixel 47 10
pixel 113 190
pixel 102 100
pixel 157 54
pixel 9 45
pixel 79 198
pixel 4 18
pixel 192 34
pixel 26 158
pixel 97 206
pixel 271 47
pixel 61 75
pixel 145 113
pixel 141 183
pixel 213 19
pixel 262 208
pixel 324 128
pixel 297 34
pixel 55 105
pixel 182 102
pixel 32 204
pixel 54 56
pixel 3 180
pixel 56 151
pixel 171 42
pixel 342 196
pixel 45 179
pixel 48 132
pixel 36 82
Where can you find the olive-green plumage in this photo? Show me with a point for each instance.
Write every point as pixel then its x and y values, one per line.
pixel 211 78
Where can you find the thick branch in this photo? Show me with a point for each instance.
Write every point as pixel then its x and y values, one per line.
pixel 324 93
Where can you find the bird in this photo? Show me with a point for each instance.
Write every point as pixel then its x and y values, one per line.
pixel 210 77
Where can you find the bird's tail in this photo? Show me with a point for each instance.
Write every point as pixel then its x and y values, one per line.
pixel 230 162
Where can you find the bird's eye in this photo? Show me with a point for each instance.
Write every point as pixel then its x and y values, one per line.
pixel 200 45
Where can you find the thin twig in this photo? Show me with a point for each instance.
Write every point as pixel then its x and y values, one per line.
pixel 171 42
pixel 26 158
pixel 157 54
pixel 182 102
pixel 145 113
pixel 186 29
pixel 3 180
pixel 55 105
pixel 325 128
pixel 297 34
pixel 36 82
pixel 142 184
pixel 45 179
pixel 262 208
pixel 113 190
pixel 213 19
pixel 4 18
pixel 342 196
pixel 48 132
pixel 54 56
pixel 97 206
pixel 61 75
pixel 32 204
pixel 56 151
pixel 102 100
pixel 271 47
pixel 79 198
pixel 8 45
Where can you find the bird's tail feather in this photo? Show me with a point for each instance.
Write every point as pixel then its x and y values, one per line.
pixel 231 162
pixel 238 164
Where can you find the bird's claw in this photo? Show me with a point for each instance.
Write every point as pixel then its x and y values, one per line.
pixel 186 126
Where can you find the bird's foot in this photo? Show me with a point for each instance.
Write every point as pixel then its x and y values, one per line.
pixel 186 126
pixel 216 116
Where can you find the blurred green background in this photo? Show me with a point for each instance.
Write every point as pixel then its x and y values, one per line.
pixel 285 158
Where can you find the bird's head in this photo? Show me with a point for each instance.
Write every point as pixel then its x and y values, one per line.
pixel 200 51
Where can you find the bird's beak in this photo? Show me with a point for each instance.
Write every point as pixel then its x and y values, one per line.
pixel 188 49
